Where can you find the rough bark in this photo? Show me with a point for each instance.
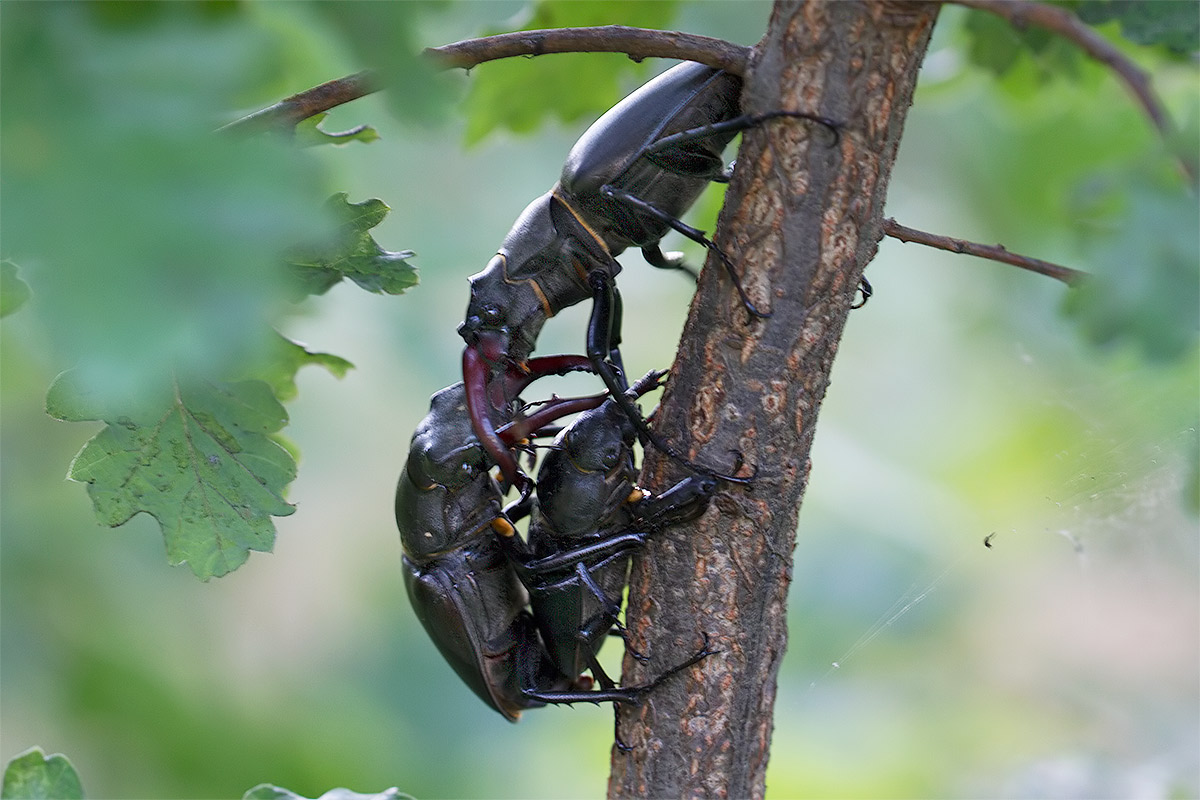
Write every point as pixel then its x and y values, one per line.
pixel 803 218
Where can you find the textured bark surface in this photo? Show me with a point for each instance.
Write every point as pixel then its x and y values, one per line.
pixel 803 218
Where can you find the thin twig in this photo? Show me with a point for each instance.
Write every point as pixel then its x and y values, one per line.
pixel 994 252
pixel 1021 13
pixel 288 112
pixel 637 43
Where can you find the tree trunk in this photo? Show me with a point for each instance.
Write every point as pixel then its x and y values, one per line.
pixel 802 219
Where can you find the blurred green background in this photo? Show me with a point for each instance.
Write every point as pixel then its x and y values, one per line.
pixel 1061 662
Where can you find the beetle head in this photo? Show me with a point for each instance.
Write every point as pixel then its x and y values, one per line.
pixel 599 440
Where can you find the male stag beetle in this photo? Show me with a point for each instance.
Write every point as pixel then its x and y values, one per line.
pixel 625 183
pixel 460 577
pixel 587 502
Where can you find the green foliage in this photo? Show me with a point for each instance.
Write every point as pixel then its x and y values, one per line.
pixel 354 254
pixel 385 37
pixel 32 775
pixel 309 133
pixel 266 791
pixel 202 457
pixel 153 254
pixel 153 246
pixel 278 364
pixel 147 240
pixel 35 776
pixel 520 94
pixel 198 457
pixel 13 291
pixel 1141 241
pixel 996 45
pixel 1070 159
pixel 1174 24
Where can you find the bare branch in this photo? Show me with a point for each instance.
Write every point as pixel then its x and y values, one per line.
pixel 1021 13
pixel 641 43
pixel 994 252
pixel 289 111
pixel 637 43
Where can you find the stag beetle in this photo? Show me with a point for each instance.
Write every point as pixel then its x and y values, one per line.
pixel 459 574
pixel 587 501
pixel 625 183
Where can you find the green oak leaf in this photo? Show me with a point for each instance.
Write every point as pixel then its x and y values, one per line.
pixel 266 791
pixel 13 291
pixel 354 254
pixel 197 456
pixel 309 133
pixel 283 359
pixel 33 775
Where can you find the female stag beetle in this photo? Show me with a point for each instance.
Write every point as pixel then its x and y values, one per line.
pixel 625 183
pixel 459 575
pixel 587 501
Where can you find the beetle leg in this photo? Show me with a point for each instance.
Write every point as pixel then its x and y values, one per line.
pixel 593 551
pixel 606 683
pixel 620 631
pixel 657 151
pixel 600 333
pixel 619 694
pixel 603 623
pixel 674 153
pixel 616 316
pixel 517 511
pixel 683 502
pixel 695 234
pixel 864 289
pixel 598 347
pixel 703 653
pixel 655 257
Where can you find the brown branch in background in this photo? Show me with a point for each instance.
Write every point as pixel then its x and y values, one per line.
pixel 994 252
pixel 641 43
pixel 289 111
pixel 637 43
pixel 1021 13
